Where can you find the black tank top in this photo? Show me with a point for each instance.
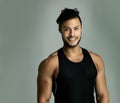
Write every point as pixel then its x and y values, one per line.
pixel 75 82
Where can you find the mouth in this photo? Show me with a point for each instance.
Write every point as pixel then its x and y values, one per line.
pixel 73 38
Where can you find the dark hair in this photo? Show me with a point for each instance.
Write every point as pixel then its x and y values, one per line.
pixel 67 14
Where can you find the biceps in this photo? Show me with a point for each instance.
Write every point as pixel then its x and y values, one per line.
pixel 100 83
pixel 44 87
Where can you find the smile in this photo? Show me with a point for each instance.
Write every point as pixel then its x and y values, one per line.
pixel 72 38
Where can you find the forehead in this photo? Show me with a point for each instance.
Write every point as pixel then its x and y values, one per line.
pixel 71 22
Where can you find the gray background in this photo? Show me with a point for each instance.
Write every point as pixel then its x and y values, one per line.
pixel 28 34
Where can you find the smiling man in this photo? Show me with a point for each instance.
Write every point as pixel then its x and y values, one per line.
pixel 72 73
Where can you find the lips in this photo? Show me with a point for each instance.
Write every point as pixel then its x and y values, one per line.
pixel 72 38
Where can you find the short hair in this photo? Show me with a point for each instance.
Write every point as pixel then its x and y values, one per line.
pixel 67 14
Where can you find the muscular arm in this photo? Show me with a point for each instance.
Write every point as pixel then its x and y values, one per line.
pixel 101 87
pixel 44 80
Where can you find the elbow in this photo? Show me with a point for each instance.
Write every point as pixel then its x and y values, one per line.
pixel 42 100
pixel 103 98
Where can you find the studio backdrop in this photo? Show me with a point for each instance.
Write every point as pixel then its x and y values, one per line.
pixel 29 33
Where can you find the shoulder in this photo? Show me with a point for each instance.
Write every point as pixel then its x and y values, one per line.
pixel 95 56
pixel 50 60
pixel 49 64
pixel 97 59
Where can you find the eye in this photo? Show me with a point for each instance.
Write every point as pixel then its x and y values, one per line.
pixel 66 29
pixel 76 28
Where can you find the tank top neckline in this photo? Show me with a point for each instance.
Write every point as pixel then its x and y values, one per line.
pixel 83 52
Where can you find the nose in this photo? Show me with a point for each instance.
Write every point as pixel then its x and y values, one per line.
pixel 71 32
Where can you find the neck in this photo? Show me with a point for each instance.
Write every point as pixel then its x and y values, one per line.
pixel 72 50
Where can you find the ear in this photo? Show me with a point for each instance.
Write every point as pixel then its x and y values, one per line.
pixel 59 30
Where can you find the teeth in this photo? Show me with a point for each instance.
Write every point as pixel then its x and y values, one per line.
pixel 71 38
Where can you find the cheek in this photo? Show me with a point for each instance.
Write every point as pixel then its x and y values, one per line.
pixel 64 34
pixel 79 33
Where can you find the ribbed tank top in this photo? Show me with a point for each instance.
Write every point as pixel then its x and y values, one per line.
pixel 75 82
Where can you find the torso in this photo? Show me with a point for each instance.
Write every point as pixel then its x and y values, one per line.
pixel 67 75
pixel 54 57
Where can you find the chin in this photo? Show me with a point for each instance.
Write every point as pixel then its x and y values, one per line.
pixel 72 45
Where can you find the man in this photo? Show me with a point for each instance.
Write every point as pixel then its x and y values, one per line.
pixel 72 72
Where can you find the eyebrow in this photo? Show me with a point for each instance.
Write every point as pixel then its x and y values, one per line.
pixel 69 27
pixel 76 26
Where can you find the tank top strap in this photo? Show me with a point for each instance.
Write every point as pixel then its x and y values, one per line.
pixel 86 53
pixel 60 52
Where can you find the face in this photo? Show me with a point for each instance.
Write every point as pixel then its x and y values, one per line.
pixel 71 32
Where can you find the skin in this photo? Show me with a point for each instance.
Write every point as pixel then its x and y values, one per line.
pixel 71 31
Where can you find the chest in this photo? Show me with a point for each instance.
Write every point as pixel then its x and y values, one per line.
pixel 82 72
pixel 78 70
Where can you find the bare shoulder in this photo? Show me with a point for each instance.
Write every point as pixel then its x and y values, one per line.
pixel 97 59
pixel 95 55
pixel 51 60
pixel 49 64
